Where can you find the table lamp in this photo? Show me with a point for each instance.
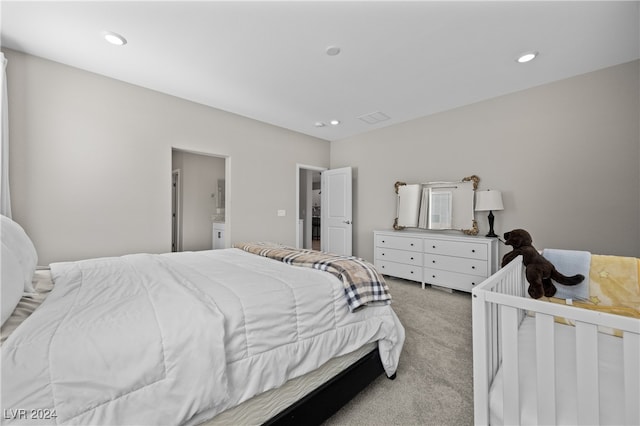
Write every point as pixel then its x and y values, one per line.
pixel 489 200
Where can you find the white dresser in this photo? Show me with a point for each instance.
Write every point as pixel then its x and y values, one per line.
pixel 444 259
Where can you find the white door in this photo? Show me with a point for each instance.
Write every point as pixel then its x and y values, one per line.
pixel 336 211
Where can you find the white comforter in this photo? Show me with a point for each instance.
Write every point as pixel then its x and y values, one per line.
pixel 178 338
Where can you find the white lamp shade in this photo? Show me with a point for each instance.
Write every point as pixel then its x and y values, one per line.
pixel 488 200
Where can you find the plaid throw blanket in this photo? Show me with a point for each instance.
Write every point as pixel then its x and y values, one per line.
pixel 362 283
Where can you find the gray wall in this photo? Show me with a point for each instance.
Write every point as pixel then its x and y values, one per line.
pixel 91 163
pixel 565 155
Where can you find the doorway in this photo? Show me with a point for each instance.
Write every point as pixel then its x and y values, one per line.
pixel 316 211
pixel 176 201
pixel 309 207
pixel 200 198
pixel 335 231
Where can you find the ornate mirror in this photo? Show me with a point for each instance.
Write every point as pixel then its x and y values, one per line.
pixel 437 205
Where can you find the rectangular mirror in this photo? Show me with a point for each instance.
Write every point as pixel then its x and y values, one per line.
pixel 437 205
pixel 221 197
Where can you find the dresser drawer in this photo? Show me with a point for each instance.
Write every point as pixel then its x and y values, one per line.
pixel 398 242
pixel 450 279
pixel 456 264
pixel 401 256
pixel 400 270
pixel 456 248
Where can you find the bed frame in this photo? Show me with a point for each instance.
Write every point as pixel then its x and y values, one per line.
pixel 499 306
pixel 323 402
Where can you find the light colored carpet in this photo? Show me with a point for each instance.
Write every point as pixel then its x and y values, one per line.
pixel 434 383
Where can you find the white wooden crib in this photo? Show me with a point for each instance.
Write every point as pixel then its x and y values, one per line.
pixel 529 369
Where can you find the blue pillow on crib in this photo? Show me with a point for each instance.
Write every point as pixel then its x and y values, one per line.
pixel 570 262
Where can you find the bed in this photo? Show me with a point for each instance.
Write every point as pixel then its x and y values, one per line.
pixel 536 362
pixel 188 338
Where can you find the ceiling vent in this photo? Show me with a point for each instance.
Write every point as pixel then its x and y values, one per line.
pixel 374 117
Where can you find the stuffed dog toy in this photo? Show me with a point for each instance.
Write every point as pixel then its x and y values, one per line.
pixel 539 271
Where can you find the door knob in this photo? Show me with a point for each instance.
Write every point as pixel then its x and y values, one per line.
pixel 348 222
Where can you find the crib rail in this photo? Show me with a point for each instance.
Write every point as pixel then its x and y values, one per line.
pixel 499 305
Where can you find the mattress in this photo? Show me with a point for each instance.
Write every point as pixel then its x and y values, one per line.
pixel 611 380
pixel 256 409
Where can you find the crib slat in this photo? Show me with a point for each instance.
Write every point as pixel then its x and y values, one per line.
pixel 495 341
pixel 631 351
pixel 482 338
pixel 545 369
pixel 587 377
pixel 511 391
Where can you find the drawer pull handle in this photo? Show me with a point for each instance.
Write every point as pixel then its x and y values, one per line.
pixel 383 254
pixel 473 251
pixel 473 283
pixel 411 257
pixel 433 276
pixel 383 241
pixel 434 246
pixel 473 267
pixel 412 272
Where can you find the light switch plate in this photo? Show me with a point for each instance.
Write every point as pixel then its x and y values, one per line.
pixel 282 212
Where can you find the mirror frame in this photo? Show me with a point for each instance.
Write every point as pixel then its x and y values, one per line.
pixel 473 230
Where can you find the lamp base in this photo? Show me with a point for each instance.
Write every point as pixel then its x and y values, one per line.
pixel 491 234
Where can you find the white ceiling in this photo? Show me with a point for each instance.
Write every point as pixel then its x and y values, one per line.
pixel 266 60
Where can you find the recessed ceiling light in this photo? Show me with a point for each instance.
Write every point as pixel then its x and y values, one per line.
pixel 333 50
pixel 527 57
pixel 114 38
pixel 334 122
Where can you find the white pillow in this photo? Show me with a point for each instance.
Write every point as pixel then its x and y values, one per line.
pixel 17 242
pixel 12 280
